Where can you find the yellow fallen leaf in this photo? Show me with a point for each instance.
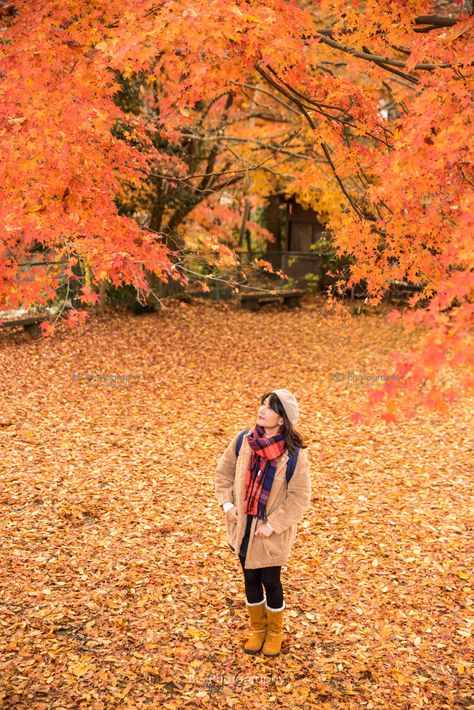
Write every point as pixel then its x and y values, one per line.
pixel 386 630
pixel 80 669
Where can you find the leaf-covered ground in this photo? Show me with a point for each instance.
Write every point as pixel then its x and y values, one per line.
pixel 118 589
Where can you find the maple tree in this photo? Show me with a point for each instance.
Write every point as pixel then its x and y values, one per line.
pixel 404 179
pixel 187 197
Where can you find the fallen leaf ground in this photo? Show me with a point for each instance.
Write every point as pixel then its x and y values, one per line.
pixel 118 589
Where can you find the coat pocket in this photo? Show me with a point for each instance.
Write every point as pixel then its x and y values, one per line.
pixel 279 544
pixel 273 546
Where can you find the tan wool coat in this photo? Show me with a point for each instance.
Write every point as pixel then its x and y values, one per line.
pixel 286 505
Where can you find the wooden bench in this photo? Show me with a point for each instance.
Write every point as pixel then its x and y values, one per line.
pixel 253 300
pixel 30 323
pixel 396 290
pixel 402 289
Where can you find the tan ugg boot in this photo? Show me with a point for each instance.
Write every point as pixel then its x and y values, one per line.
pixel 272 645
pixel 259 627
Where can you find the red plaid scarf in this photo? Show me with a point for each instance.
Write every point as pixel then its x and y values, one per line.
pixel 261 471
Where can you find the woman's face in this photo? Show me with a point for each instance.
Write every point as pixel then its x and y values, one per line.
pixel 267 417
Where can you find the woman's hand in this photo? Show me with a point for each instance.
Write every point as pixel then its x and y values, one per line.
pixel 264 531
pixel 231 515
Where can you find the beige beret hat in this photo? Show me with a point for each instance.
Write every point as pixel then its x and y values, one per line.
pixel 290 405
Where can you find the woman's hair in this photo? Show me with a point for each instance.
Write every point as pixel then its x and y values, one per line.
pixel 292 437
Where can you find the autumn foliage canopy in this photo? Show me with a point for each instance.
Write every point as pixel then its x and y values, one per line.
pixel 362 111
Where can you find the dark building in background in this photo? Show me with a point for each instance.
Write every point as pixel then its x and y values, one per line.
pixel 295 230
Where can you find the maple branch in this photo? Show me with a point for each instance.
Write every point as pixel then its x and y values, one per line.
pixel 269 118
pixel 353 204
pixel 334 64
pixel 392 70
pixel 287 94
pixel 268 93
pixel 214 151
pixel 184 181
pixel 295 96
pixel 469 182
pixel 264 144
pixel 433 22
pixel 229 172
pixel 295 100
pixel 205 111
pixel 316 107
pixel 224 185
pixel 239 284
pixel 374 57
pixel 402 83
pixel 210 277
pixel 273 170
pixel 210 190
pixel 367 183
pixel 319 104
pixel 278 173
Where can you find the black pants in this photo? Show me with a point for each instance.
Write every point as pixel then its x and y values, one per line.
pixel 263 577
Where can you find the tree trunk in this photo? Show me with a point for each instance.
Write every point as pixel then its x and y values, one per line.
pixel 272 223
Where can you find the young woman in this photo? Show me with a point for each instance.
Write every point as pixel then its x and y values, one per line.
pixel 263 510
